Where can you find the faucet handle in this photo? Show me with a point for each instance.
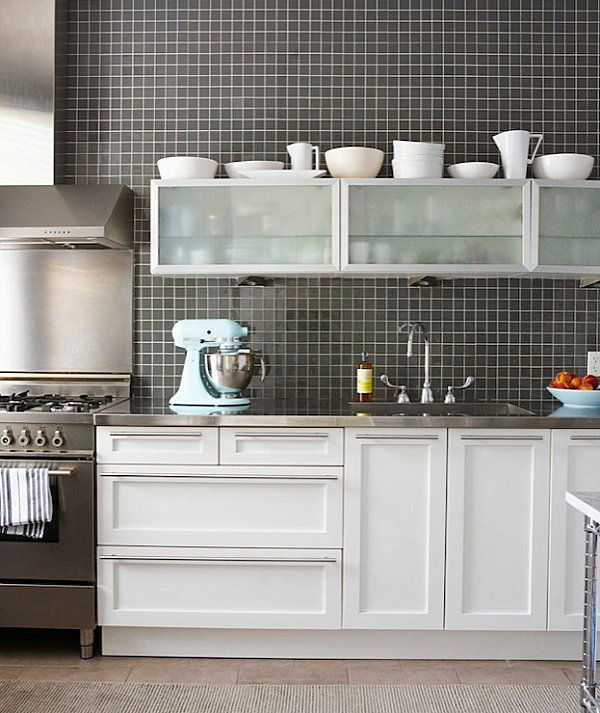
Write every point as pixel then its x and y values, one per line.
pixel 450 397
pixel 401 396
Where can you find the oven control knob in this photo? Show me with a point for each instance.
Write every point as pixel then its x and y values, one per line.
pixel 40 438
pixel 58 439
pixel 7 437
pixel 24 438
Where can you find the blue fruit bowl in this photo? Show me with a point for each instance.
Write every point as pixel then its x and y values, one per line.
pixel 574 398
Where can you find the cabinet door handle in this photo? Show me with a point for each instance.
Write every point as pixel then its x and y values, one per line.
pixel 501 438
pixel 292 434
pixel 584 438
pixel 161 435
pixel 215 476
pixel 401 437
pixel 271 560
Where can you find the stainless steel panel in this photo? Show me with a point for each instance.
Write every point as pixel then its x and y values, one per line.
pixel 27 90
pixel 66 311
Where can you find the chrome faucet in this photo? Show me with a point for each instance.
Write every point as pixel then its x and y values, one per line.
pixel 412 327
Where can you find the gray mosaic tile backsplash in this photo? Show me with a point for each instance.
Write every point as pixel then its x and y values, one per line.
pixel 240 79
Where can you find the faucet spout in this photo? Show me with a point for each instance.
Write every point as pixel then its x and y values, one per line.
pixel 412 327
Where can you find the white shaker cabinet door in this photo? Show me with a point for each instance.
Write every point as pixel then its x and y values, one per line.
pixel 394 515
pixel 575 459
pixel 497 529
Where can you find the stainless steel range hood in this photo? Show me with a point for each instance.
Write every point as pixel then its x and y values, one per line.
pixel 66 215
pixel 34 212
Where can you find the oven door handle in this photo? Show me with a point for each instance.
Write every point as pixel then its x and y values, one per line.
pixel 61 471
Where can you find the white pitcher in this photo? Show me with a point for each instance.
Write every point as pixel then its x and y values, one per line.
pixel 301 155
pixel 514 151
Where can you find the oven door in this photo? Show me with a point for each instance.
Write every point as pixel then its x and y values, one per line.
pixel 66 551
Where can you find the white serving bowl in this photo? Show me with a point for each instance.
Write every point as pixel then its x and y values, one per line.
pixel 235 169
pixel 187 167
pixel 473 169
pixel 354 162
pixel 563 166
pixel 405 148
pixel 418 167
pixel 574 398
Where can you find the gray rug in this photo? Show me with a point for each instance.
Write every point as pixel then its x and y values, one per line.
pixel 24 696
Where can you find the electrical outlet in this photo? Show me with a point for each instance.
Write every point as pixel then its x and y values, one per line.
pixel 593 363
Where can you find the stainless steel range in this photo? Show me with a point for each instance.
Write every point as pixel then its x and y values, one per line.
pixel 48 422
pixel 66 293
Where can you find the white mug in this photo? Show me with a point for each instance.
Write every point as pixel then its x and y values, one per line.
pixel 514 151
pixel 301 156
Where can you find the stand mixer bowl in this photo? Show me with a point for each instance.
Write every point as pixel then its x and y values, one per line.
pixel 229 372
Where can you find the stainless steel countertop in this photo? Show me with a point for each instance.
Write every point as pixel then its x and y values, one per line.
pixel 147 413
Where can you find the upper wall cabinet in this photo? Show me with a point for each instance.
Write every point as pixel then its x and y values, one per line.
pixel 446 227
pixel 233 226
pixel 435 226
pixel 565 227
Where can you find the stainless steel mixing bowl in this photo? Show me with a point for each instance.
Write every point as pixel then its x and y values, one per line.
pixel 230 372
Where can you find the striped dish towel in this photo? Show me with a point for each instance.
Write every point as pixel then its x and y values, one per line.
pixel 25 501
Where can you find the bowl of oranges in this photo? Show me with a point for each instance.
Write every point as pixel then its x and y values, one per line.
pixel 575 391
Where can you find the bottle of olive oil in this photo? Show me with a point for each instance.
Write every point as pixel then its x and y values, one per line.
pixel 364 379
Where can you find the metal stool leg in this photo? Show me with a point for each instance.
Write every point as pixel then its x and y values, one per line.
pixel 588 681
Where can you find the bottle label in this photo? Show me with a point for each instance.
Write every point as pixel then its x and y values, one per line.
pixel 364 381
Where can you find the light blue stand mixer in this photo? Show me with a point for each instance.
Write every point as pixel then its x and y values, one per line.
pixel 217 366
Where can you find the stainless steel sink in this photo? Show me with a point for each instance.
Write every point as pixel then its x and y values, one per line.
pixel 436 409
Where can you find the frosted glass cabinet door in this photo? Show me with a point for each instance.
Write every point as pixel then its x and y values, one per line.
pixel 224 226
pixel 566 227
pixel 454 226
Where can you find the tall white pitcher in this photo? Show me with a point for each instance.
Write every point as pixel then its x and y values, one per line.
pixel 514 151
pixel 301 156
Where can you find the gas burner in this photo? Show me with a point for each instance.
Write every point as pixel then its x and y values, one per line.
pixel 53 402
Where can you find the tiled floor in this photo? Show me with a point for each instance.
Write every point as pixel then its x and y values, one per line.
pixel 54 655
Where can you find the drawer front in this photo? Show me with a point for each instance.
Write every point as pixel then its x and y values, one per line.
pixel 127 444
pixel 270 507
pixel 282 446
pixel 192 587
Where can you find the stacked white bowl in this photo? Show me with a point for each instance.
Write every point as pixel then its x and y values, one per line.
pixel 418 159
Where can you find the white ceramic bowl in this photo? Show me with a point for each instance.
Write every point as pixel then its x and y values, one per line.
pixel 419 167
pixel 354 162
pixel 187 167
pixel 233 170
pixel 405 148
pixel 563 166
pixel 574 398
pixel 473 169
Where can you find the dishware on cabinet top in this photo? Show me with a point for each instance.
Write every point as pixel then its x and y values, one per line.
pixel 235 169
pixel 421 148
pixel 514 151
pixel 354 161
pixel 281 176
pixel 417 167
pixel 473 169
pixel 301 154
pixel 173 167
pixel 563 166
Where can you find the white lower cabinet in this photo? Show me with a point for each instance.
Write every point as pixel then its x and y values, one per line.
pixel 575 459
pixel 213 587
pixel 497 529
pixel 183 543
pixel 395 501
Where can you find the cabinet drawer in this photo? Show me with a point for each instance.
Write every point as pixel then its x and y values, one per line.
pixel 127 444
pixel 282 446
pixel 229 507
pixel 193 587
